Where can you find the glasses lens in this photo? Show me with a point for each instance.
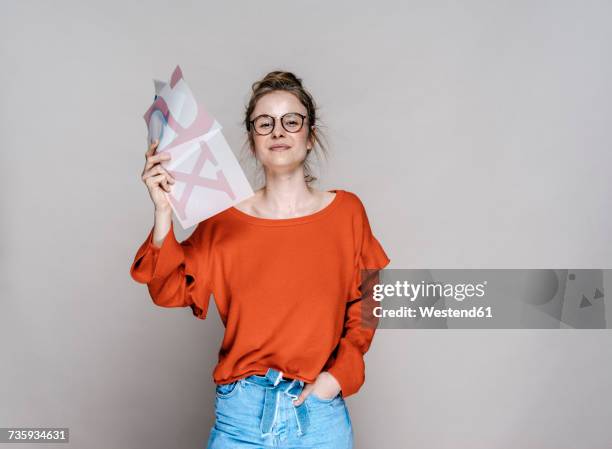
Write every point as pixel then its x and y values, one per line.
pixel 263 124
pixel 292 122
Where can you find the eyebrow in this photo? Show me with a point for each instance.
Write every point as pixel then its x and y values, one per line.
pixel 285 113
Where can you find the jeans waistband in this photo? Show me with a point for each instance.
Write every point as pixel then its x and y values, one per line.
pixel 272 379
pixel 275 385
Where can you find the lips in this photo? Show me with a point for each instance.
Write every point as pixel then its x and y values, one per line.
pixel 279 147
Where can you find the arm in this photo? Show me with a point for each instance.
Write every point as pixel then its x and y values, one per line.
pixel 360 324
pixel 348 366
pixel 175 273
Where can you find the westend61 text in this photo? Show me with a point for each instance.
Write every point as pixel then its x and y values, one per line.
pixel 432 312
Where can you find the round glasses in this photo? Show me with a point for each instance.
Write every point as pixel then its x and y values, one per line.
pixel 264 124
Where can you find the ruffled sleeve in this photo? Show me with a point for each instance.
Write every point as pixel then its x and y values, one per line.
pixel 370 255
pixel 176 274
pixel 348 366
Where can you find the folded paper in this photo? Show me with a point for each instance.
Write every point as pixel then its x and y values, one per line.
pixel 208 177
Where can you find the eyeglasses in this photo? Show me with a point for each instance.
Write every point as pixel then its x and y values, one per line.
pixel 264 124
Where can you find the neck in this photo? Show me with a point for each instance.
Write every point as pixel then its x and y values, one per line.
pixel 286 193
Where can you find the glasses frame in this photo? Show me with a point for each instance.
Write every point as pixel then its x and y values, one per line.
pixel 252 123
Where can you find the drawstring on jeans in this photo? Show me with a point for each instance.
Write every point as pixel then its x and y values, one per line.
pixel 272 400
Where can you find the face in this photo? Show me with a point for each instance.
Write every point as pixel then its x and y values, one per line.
pixel 281 151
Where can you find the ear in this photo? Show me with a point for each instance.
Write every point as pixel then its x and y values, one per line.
pixel 311 138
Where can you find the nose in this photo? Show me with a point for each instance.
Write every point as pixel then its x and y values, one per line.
pixel 278 128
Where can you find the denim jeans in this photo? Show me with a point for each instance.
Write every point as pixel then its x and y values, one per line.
pixel 257 412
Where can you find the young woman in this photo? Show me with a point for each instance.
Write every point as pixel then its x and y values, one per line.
pixel 285 269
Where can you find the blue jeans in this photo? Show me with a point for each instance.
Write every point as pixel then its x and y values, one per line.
pixel 257 412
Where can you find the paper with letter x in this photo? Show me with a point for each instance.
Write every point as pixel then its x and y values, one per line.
pixel 208 177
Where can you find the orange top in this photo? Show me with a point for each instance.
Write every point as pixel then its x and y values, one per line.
pixel 287 290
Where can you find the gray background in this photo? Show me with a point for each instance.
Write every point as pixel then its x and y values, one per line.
pixel 476 133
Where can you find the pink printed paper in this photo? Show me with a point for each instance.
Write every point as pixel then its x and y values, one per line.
pixel 208 177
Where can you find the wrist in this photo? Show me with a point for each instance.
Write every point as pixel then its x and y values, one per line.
pixel 331 376
pixel 163 211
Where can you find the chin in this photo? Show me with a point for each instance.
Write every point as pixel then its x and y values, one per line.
pixel 282 158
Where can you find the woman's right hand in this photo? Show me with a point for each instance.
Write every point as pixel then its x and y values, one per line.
pixel 156 178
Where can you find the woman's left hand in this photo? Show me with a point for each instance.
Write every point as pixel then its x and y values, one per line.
pixel 325 386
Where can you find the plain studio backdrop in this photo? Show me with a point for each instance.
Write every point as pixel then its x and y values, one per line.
pixel 476 133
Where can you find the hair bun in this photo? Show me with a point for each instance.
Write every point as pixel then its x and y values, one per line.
pixel 278 78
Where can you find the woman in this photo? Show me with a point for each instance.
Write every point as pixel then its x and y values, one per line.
pixel 285 269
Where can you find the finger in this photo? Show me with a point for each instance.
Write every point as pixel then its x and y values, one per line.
pixel 152 147
pixel 158 169
pixel 161 169
pixel 163 156
pixel 301 398
pixel 170 177
pixel 168 183
pixel 155 180
pixel 156 158
pixel 152 171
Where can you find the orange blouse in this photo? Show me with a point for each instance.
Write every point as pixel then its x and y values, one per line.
pixel 287 290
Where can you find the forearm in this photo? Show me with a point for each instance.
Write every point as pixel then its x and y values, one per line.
pixel 161 226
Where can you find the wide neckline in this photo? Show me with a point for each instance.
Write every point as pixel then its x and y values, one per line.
pixel 290 221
